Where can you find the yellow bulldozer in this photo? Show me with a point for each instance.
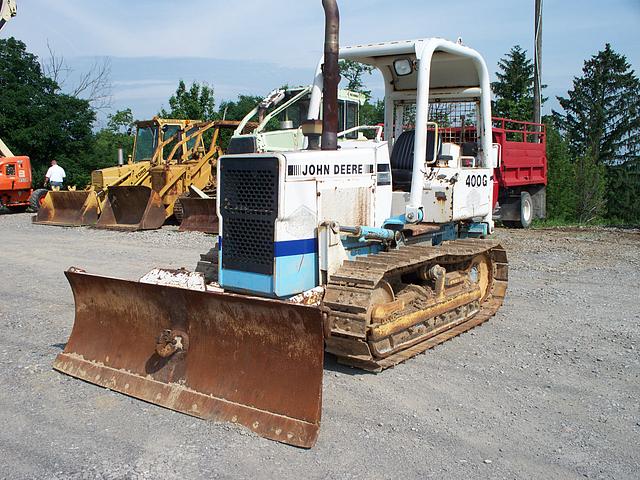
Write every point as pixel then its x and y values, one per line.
pixel 83 207
pixel 183 162
pixel 169 157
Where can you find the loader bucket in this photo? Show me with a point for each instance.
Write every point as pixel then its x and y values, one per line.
pixel 199 215
pixel 218 356
pixel 68 208
pixel 132 208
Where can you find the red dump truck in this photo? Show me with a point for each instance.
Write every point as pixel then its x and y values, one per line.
pixel 519 194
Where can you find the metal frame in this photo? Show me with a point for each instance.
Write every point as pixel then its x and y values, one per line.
pixel 423 50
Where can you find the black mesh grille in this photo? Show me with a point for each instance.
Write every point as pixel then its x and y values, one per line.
pixel 249 208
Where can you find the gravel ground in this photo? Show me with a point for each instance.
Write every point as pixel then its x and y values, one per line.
pixel 548 389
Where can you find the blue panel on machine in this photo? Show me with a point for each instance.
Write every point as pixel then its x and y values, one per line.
pixel 296 274
pixel 246 281
pixel 295 270
pixel 295 247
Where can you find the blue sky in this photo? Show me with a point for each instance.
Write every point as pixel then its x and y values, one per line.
pixel 253 46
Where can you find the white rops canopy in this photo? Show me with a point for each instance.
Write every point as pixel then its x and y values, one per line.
pixel 442 69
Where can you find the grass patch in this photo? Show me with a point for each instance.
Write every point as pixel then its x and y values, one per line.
pixel 561 223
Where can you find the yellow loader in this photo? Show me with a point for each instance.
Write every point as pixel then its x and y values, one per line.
pixel 84 207
pixel 184 160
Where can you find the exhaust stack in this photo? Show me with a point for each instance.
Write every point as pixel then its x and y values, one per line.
pixel 331 76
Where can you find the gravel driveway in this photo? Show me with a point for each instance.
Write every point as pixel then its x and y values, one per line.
pixel 549 388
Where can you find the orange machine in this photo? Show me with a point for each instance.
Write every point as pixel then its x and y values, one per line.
pixel 15 183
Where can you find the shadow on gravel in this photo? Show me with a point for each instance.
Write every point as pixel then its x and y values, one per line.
pixel 59 346
pixel 331 364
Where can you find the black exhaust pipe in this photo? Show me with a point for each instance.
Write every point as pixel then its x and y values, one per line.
pixel 331 76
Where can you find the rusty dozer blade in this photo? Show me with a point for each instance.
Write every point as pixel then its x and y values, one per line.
pixel 68 208
pixel 199 215
pixel 132 208
pixel 218 356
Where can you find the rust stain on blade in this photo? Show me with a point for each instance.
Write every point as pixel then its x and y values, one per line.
pixel 199 215
pixel 132 208
pixel 68 208
pixel 246 360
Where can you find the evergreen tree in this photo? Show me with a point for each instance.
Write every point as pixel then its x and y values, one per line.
pixel 590 183
pixel 196 103
pixel 623 192
pixel 602 111
pixel 561 201
pixel 601 122
pixel 514 88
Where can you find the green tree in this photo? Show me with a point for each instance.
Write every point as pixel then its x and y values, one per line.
pixel 352 72
pixel 623 192
pixel 590 184
pixel 514 88
pixel 602 111
pixel 372 113
pixel 237 109
pixel 118 134
pixel 601 122
pixel 561 201
pixel 196 103
pixel 39 121
pixel 121 121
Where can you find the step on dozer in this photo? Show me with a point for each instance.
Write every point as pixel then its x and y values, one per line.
pixel 199 215
pixel 68 208
pixel 132 208
pixel 224 357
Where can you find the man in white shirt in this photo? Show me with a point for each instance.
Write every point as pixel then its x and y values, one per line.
pixel 55 176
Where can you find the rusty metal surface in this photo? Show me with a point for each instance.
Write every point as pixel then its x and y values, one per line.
pixel 132 208
pixel 222 357
pixel 419 327
pixel 68 208
pixel 331 75
pixel 199 215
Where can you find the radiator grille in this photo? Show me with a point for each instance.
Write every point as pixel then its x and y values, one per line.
pixel 249 208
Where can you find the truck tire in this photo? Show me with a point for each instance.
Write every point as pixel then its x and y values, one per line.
pixel 526 212
pixel 36 198
pixel 523 208
pixel 17 209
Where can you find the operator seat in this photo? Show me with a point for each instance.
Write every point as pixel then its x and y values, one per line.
pixel 402 157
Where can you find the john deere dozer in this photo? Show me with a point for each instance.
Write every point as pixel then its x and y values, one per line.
pixel 374 252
